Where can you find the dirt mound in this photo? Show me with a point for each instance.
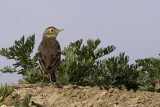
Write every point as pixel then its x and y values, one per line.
pixel 49 95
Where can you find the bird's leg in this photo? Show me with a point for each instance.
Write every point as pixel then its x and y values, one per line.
pixel 53 79
pixel 43 82
pixel 42 85
pixel 43 78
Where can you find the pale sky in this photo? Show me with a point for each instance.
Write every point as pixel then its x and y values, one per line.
pixel 130 25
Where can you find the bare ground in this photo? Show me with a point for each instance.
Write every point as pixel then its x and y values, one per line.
pixel 49 95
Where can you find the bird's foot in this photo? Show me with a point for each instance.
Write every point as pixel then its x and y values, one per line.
pixel 56 85
pixel 42 85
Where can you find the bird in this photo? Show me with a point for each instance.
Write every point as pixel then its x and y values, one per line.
pixel 49 52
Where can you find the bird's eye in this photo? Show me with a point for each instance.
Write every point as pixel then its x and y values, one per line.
pixel 51 30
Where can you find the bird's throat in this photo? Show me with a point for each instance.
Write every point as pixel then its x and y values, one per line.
pixel 50 36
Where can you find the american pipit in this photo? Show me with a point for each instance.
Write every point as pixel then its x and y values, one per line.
pixel 49 52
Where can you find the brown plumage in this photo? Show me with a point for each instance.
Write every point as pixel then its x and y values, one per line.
pixel 49 52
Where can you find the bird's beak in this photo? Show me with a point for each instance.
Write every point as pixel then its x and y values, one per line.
pixel 60 30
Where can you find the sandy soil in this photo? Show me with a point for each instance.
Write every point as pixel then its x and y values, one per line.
pixel 49 95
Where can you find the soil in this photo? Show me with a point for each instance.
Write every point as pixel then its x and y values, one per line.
pixel 49 95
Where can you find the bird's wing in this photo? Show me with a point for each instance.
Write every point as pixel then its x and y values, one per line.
pixel 55 60
pixel 41 60
pixel 49 55
pixel 42 57
pixel 55 56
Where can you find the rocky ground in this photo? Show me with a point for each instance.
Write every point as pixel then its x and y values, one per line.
pixel 49 95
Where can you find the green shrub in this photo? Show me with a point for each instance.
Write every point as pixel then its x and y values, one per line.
pixel 25 102
pixel 81 65
pixel 150 72
pixel 21 52
pixel 120 73
pixel 4 92
pixel 25 65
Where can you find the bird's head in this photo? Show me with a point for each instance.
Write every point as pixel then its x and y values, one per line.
pixel 51 32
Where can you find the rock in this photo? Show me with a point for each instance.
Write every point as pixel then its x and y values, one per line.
pixel 75 96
